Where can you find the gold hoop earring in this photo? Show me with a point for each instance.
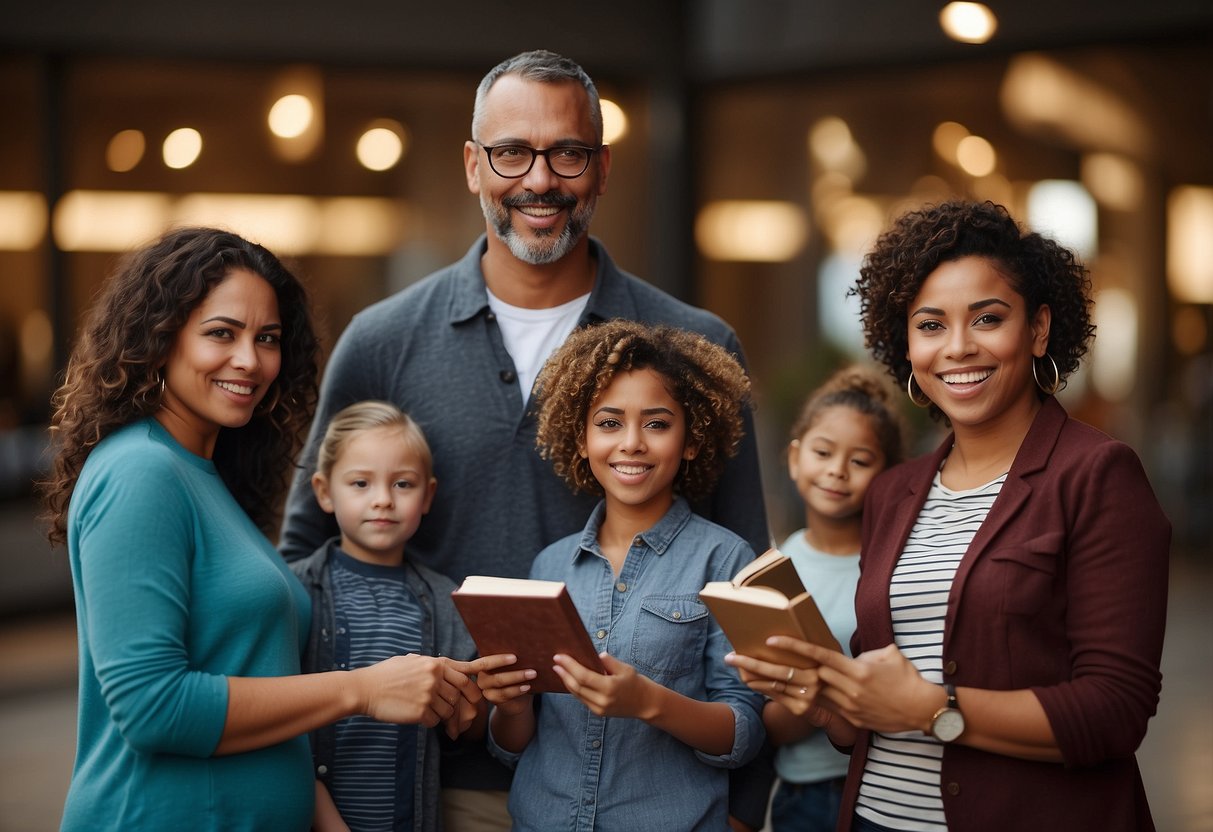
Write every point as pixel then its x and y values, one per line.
pixel 1057 382
pixel 921 400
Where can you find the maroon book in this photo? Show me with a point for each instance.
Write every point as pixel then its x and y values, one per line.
pixel 532 619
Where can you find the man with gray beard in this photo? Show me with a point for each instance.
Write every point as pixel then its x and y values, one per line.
pixel 460 350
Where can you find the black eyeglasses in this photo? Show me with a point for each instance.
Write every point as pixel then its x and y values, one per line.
pixel 513 161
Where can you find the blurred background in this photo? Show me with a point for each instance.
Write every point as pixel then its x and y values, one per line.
pixel 759 148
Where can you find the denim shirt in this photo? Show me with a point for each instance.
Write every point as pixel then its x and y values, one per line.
pixel 582 771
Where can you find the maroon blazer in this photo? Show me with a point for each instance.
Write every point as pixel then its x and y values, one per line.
pixel 1064 591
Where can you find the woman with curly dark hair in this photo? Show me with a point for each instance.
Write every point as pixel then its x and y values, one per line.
pixel 1014 582
pixel 641 415
pixel 186 394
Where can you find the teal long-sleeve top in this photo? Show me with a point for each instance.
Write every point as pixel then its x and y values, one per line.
pixel 176 589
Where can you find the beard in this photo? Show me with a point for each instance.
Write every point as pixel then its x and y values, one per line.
pixel 543 247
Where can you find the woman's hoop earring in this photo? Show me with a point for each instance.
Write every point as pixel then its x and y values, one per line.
pixel 1057 382
pixel 921 400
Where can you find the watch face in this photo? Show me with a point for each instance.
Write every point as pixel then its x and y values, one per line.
pixel 948 725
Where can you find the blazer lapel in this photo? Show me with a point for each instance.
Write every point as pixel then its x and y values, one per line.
pixel 1032 456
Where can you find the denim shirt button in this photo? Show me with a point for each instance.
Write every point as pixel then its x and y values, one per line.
pixel 596 744
pixel 676 615
pixel 601 634
pixel 621 586
pixel 508 376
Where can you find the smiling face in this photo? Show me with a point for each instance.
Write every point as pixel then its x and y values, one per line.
pixel 540 217
pixel 972 343
pixel 222 362
pixel 379 488
pixel 833 464
pixel 635 442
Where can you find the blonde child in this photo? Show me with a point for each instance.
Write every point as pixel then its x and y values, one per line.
pixel 645 417
pixel 848 431
pixel 374 472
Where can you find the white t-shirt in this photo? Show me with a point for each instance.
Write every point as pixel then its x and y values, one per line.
pixel 531 335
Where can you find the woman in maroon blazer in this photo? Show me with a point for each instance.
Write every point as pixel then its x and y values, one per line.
pixel 1014 582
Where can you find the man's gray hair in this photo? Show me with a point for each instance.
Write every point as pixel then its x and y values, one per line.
pixel 539 65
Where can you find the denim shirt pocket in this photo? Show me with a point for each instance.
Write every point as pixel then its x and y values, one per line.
pixel 670 635
pixel 1030 570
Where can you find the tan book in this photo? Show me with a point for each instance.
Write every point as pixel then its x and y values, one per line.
pixel 767 598
pixel 532 619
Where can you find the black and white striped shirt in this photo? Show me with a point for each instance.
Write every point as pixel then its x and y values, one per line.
pixel 900 785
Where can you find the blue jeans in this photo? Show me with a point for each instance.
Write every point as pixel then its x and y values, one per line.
pixel 806 807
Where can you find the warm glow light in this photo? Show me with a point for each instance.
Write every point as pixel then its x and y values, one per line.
pixel 1041 96
pixel 968 22
pixel 833 146
pixel 1190 244
pixel 852 224
pixel 290 116
pixel 22 220
pixel 108 220
pixel 382 145
pixel 751 230
pixel 182 147
pixel 125 150
pixel 287 224
pixel 360 225
pixel 1114 352
pixel 1065 211
pixel 614 121
pixel 295 113
pixel 976 156
pixel 947 138
pixel 1114 180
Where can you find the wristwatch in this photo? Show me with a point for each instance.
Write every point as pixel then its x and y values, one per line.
pixel 948 722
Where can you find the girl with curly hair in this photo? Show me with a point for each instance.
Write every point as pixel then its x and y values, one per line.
pixel 645 417
pixel 1013 586
pixel 185 397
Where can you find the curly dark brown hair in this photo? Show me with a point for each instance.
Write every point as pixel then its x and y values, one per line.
pixel 704 376
pixel 113 376
pixel 1038 268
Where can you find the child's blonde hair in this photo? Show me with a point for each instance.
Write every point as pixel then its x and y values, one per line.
pixel 708 381
pixel 866 392
pixel 364 416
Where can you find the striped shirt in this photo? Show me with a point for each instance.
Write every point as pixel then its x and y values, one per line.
pixel 381 618
pixel 900 785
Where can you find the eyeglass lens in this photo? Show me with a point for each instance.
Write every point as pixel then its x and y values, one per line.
pixel 516 160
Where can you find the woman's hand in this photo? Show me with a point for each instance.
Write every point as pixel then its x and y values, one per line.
pixel 792 687
pixel 880 690
pixel 622 692
pixel 412 689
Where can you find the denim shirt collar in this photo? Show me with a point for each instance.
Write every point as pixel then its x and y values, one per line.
pixel 608 299
pixel 657 538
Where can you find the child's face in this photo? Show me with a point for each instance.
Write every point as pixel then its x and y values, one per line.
pixel 635 442
pixel 379 488
pixel 834 462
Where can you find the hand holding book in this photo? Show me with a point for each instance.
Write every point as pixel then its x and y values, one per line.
pixel 764 599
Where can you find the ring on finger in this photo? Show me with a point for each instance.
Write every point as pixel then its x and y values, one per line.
pixel 790 672
pixel 804 691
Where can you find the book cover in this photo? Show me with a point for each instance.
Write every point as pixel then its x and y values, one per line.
pixel 767 598
pixel 532 619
